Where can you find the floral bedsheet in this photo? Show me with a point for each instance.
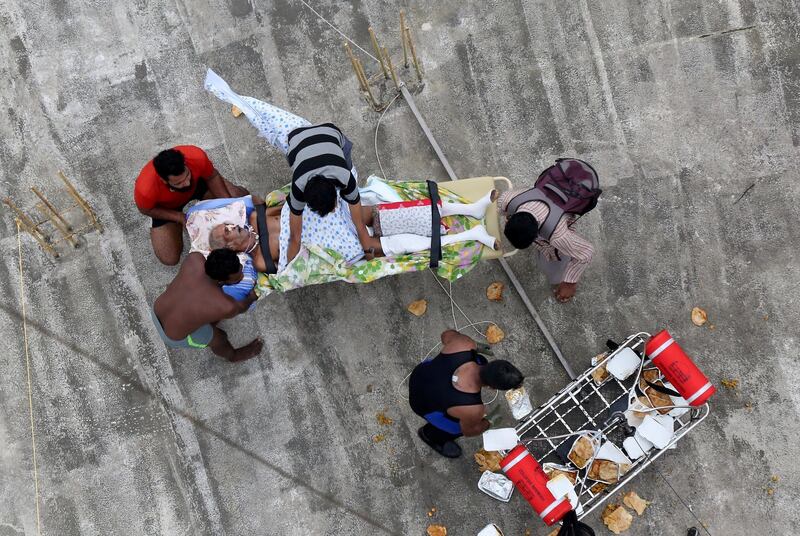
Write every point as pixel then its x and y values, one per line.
pixel 314 265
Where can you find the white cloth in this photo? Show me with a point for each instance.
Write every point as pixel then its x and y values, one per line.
pixel 376 191
pixel 334 231
pixel 272 123
pixel 402 244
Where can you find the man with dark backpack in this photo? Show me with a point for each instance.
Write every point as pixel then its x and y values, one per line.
pixel 543 216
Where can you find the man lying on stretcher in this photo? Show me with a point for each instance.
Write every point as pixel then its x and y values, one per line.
pixel 397 229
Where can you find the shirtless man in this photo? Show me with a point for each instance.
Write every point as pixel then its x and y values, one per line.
pixel 186 314
pixel 244 239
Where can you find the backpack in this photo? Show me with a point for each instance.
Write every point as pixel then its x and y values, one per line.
pixel 570 186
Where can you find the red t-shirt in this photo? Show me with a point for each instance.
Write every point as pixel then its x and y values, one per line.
pixel 152 192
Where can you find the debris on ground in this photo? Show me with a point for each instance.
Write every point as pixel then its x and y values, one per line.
pixel 418 308
pixel 699 316
pixel 378 438
pixel 770 491
pixel 554 532
pixel 236 111
pixel 632 500
pixel 488 461
pixel 600 374
pixel 383 419
pixel 616 518
pixel 495 291
pixel 598 488
pixel 437 530
pixel 730 384
pixel 775 478
pixel 432 511
pixel 494 334
pixel 369 388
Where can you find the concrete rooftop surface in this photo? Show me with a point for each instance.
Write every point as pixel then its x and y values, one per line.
pixel 688 109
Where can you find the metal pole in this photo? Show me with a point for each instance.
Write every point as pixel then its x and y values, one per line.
pixel 388 60
pixel 403 38
pixel 377 48
pixel 514 281
pixel 55 218
pixel 24 221
pixel 82 202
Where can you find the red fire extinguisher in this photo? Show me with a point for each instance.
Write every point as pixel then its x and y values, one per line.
pixel 527 475
pixel 679 369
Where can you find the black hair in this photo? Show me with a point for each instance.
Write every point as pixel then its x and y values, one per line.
pixel 221 264
pixel 320 194
pixel 502 375
pixel 521 229
pixel 169 162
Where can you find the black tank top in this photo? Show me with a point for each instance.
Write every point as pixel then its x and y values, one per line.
pixel 430 387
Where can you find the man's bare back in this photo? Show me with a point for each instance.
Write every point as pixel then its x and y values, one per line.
pixel 192 300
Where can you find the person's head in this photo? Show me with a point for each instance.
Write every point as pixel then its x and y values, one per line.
pixel 229 235
pixel 502 375
pixel 521 229
pixel 171 167
pixel 223 266
pixel 320 194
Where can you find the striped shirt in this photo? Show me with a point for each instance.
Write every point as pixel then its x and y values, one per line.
pixel 564 239
pixel 319 150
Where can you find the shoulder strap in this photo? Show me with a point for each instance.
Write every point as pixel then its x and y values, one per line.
pixel 436 225
pixel 263 238
pixel 546 227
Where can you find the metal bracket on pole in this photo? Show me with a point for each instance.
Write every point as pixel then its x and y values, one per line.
pixel 514 281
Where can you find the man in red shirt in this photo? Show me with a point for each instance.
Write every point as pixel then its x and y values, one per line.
pixel 166 184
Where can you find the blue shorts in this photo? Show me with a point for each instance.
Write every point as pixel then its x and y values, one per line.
pixel 444 422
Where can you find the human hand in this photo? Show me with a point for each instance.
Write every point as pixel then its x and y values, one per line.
pixel 494 416
pixel 565 291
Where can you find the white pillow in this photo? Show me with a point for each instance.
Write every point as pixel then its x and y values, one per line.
pixel 200 222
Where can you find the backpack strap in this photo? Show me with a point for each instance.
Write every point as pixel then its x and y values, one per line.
pixel 436 225
pixel 547 227
pixel 263 238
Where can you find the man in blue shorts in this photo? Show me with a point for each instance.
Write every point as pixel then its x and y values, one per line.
pixel 186 314
pixel 446 392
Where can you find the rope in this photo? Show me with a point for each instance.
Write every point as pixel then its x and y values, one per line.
pixel 337 30
pixel 30 388
pixel 383 173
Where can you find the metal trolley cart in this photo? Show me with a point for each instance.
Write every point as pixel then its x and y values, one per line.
pixel 583 405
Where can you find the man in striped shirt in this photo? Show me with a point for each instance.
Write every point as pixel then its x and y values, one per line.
pixel 522 230
pixel 319 156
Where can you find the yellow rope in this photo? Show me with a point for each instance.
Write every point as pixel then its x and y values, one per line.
pixel 30 388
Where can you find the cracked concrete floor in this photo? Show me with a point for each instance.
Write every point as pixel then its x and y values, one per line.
pixel 682 106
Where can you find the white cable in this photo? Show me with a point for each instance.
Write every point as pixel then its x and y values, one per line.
pixel 452 303
pixel 383 173
pixel 403 381
pixel 460 310
pixel 337 30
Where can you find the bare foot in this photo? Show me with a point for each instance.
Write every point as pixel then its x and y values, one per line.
pixel 251 349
